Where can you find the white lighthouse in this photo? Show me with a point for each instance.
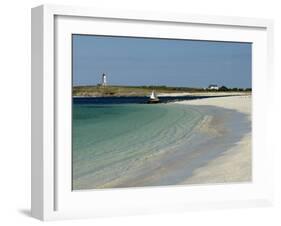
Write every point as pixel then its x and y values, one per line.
pixel 103 80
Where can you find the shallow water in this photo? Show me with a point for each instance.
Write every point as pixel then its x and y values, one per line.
pixel 110 139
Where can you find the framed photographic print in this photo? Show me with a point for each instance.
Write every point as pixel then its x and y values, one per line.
pixel 137 112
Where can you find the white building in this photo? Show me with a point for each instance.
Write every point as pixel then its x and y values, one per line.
pixel 103 80
pixel 213 87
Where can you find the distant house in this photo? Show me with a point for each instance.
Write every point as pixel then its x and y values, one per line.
pixel 213 87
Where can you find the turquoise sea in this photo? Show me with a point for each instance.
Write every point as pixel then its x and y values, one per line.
pixel 109 139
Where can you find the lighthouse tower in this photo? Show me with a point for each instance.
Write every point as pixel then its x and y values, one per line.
pixel 103 80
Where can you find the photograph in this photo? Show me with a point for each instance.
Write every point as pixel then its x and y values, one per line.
pixel 152 111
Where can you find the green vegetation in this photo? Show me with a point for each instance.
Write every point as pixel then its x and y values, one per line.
pixel 99 90
pixel 225 89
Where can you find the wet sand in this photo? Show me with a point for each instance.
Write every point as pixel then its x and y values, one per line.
pixel 235 164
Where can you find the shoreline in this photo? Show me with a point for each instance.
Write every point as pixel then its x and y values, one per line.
pixel 174 94
pixel 235 164
pixel 217 150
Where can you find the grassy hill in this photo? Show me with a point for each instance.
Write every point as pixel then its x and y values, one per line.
pixel 128 90
pixel 141 90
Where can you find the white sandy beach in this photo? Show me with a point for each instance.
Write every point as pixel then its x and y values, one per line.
pixel 236 163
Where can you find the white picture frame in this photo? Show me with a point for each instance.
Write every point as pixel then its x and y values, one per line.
pixel 52 197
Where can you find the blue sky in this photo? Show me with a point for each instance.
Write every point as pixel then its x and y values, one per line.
pixel 147 61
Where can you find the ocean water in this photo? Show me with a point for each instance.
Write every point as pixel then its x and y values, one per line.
pixel 111 138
